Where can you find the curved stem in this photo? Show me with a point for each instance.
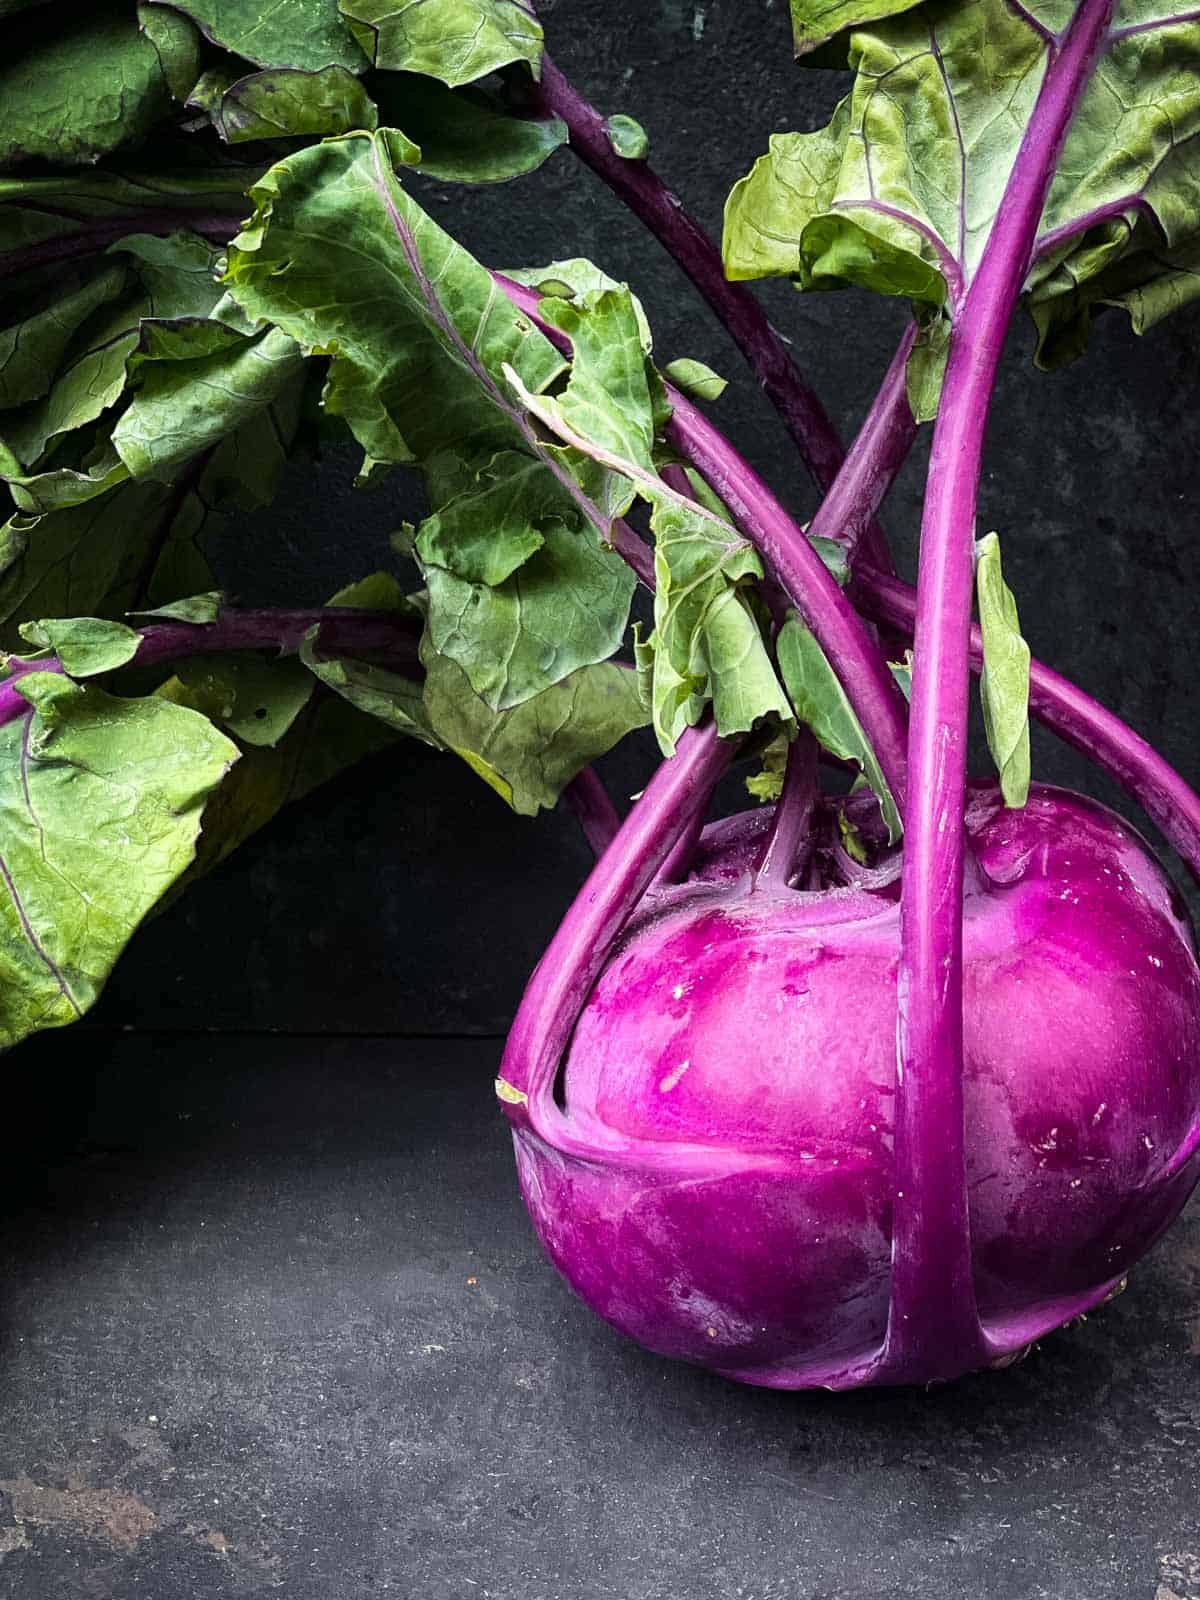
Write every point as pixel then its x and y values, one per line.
pixel 1170 802
pixel 933 1327
pixel 563 978
pixel 789 843
pixel 663 213
pixel 94 236
pixel 880 448
pixel 342 628
pixel 594 811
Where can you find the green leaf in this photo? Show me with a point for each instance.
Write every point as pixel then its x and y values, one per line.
pixel 708 640
pixel 308 34
pixel 196 385
pixel 31 349
pixel 485 533
pixel 466 135
pixel 100 803
pixel 395 699
pixel 899 192
pixel 695 379
pixel 577 279
pixel 288 103
pixel 84 645
pixel 1004 682
pixel 814 23
pixel 335 237
pixel 820 702
pixel 253 696
pixel 456 41
pixel 627 137
pixel 198 608
pixel 767 783
pixel 177 45
pixel 530 754
pixel 163 279
pixel 564 608
pixel 84 88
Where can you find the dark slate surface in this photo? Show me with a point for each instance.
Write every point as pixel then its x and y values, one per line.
pixel 274 1323
pixel 409 899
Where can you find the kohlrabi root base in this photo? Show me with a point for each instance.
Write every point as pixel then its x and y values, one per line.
pixel 724 1187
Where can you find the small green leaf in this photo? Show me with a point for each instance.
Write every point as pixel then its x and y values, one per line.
pixel 466 135
pixel 454 40
pixel 820 701
pixel 695 379
pixel 1004 682
pixel 257 698
pixel 627 137
pixel 815 21
pixel 84 645
pixel 100 803
pixel 198 608
pixel 767 783
pixel 289 103
pixel 396 700
pixel 484 534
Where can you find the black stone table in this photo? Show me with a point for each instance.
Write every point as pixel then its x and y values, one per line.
pixel 273 1322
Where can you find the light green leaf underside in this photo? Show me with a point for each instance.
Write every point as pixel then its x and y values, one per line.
pixel 1004 682
pixel 820 702
pixel 465 135
pixel 100 805
pixel 84 645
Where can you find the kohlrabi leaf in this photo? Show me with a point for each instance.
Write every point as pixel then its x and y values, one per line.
pixel 308 34
pixel 165 280
pixel 100 804
pixel 290 103
pixel 529 755
pixel 84 87
pixel 816 21
pixel 454 40
pixel 197 608
pixel 577 278
pixel 485 533
pixel 253 696
pixel 1004 682
pixel 195 386
pixel 466 135
pixel 627 137
pixel 391 696
pixel 899 192
pixel 708 640
pixel 335 237
pixel 32 347
pixel 820 701
pixel 564 608
pixel 695 379
pixel 84 645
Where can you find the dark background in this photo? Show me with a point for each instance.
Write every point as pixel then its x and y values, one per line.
pixel 272 1318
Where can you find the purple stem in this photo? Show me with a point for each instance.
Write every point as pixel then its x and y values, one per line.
pixel 1077 719
pixel 934 1330
pixel 594 811
pixel 789 843
pixel 780 540
pixel 342 629
pixel 576 955
pixel 879 450
pixel 662 211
